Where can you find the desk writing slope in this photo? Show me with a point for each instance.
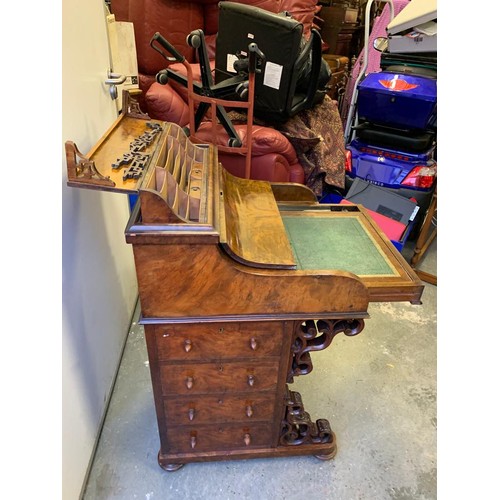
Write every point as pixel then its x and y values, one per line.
pixel 239 282
pixel 336 243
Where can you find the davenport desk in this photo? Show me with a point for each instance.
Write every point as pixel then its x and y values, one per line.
pixel 240 281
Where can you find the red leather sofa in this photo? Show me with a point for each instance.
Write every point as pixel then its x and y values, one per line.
pixel 273 156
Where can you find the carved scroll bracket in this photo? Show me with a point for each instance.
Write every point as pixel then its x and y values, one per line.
pixel 297 426
pixel 131 107
pixel 316 335
pixel 81 169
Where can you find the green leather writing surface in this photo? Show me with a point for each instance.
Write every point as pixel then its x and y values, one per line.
pixel 335 243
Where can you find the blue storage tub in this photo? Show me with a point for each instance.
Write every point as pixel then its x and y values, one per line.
pixel 398 100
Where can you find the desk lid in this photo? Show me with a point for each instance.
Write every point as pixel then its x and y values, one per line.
pixel 121 159
pixel 331 238
pixel 253 231
pixel 138 155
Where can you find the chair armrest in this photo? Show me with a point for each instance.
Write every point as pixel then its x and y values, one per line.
pixel 265 140
pixel 164 103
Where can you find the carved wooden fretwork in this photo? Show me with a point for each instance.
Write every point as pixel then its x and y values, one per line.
pixel 81 169
pixel 297 426
pixel 312 335
pixel 131 107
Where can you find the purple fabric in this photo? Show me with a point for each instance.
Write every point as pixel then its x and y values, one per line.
pixel 378 29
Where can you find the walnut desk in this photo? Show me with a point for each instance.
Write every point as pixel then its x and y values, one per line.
pixel 240 281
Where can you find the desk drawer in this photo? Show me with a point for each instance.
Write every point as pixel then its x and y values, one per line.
pixel 219 409
pixel 217 438
pixel 218 341
pixel 238 376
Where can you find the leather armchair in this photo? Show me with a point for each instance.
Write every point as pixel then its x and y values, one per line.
pixel 273 157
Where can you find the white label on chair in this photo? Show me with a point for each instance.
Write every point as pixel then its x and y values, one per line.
pixel 231 59
pixel 272 75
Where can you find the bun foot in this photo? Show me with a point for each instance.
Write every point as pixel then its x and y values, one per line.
pixel 169 467
pixel 327 456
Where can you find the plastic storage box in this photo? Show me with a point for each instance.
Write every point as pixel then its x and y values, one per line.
pixel 398 100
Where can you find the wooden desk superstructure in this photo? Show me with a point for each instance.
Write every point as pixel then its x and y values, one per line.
pixel 231 307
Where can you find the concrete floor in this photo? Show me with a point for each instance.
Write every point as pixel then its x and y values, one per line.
pixel 378 390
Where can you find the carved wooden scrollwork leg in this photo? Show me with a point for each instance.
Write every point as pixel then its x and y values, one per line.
pixel 298 428
pixel 312 335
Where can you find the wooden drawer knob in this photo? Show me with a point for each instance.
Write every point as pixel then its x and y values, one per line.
pixel 251 380
pixel 249 411
pixel 193 441
pixel 253 343
pixel 247 439
pixel 189 382
pixel 188 345
pixel 191 413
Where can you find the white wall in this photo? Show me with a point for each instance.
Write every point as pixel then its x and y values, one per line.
pixel 99 289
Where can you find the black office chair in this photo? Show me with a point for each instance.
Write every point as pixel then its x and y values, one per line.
pixel 294 76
